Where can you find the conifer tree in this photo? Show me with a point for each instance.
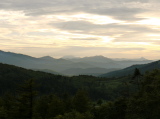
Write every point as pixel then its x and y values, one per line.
pixel 81 101
pixel 26 94
pixel 137 77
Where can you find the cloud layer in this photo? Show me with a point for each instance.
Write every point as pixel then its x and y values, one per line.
pixel 120 28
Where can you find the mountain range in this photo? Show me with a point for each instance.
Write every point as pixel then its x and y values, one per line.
pixel 95 65
pixel 130 70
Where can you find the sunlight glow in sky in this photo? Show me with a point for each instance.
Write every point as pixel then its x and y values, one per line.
pixel 115 29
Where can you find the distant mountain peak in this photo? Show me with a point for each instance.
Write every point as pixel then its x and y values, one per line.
pixel 100 56
pixel 142 58
pixel 47 58
pixel 12 54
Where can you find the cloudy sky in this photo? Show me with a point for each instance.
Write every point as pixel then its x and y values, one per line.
pixel 113 28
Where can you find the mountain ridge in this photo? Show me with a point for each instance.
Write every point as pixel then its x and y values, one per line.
pixel 130 70
pixel 60 65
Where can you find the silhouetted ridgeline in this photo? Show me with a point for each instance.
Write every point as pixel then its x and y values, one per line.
pixel 130 70
pixel 95 65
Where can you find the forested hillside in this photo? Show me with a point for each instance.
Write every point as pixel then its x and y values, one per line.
pixel 27 94
pixel 104 88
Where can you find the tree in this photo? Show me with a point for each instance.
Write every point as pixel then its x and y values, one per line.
pixel 41 107
pixel 145 104
pixel 137 77
pixel 26 94
pixel 8 106
pixel 75 115
pixel 111 110
pixel 2 110
pixel 55 106
pixel 81 101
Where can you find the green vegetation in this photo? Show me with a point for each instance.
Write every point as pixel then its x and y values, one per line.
pixel 97 88
pixel 27 94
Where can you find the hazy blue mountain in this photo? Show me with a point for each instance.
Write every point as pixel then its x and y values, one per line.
pixel 51 59
pixel 104 62
pixel 129 70
pixel 47 71
pixel 47 58
pixel 125 59
pixel 98 61
pixel 127 63
pixel 100 58
pixel 17 59
pixel 60 65
pixel 46 62
pixel 88 71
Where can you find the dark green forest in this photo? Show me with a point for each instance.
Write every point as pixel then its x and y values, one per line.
pixel 27 94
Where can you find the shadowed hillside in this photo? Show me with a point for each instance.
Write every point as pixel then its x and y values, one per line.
pixel 129 70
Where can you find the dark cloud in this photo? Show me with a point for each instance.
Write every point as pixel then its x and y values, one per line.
pixel 128 11
pixel 37 4
pixel 114 8
pixel 76 25
pixel 88 26
pixel 122 13
pixel 128 32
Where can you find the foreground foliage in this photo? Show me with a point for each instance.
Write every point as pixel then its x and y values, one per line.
pixel 28 99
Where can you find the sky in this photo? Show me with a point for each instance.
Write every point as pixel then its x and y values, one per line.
pixel 112 28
